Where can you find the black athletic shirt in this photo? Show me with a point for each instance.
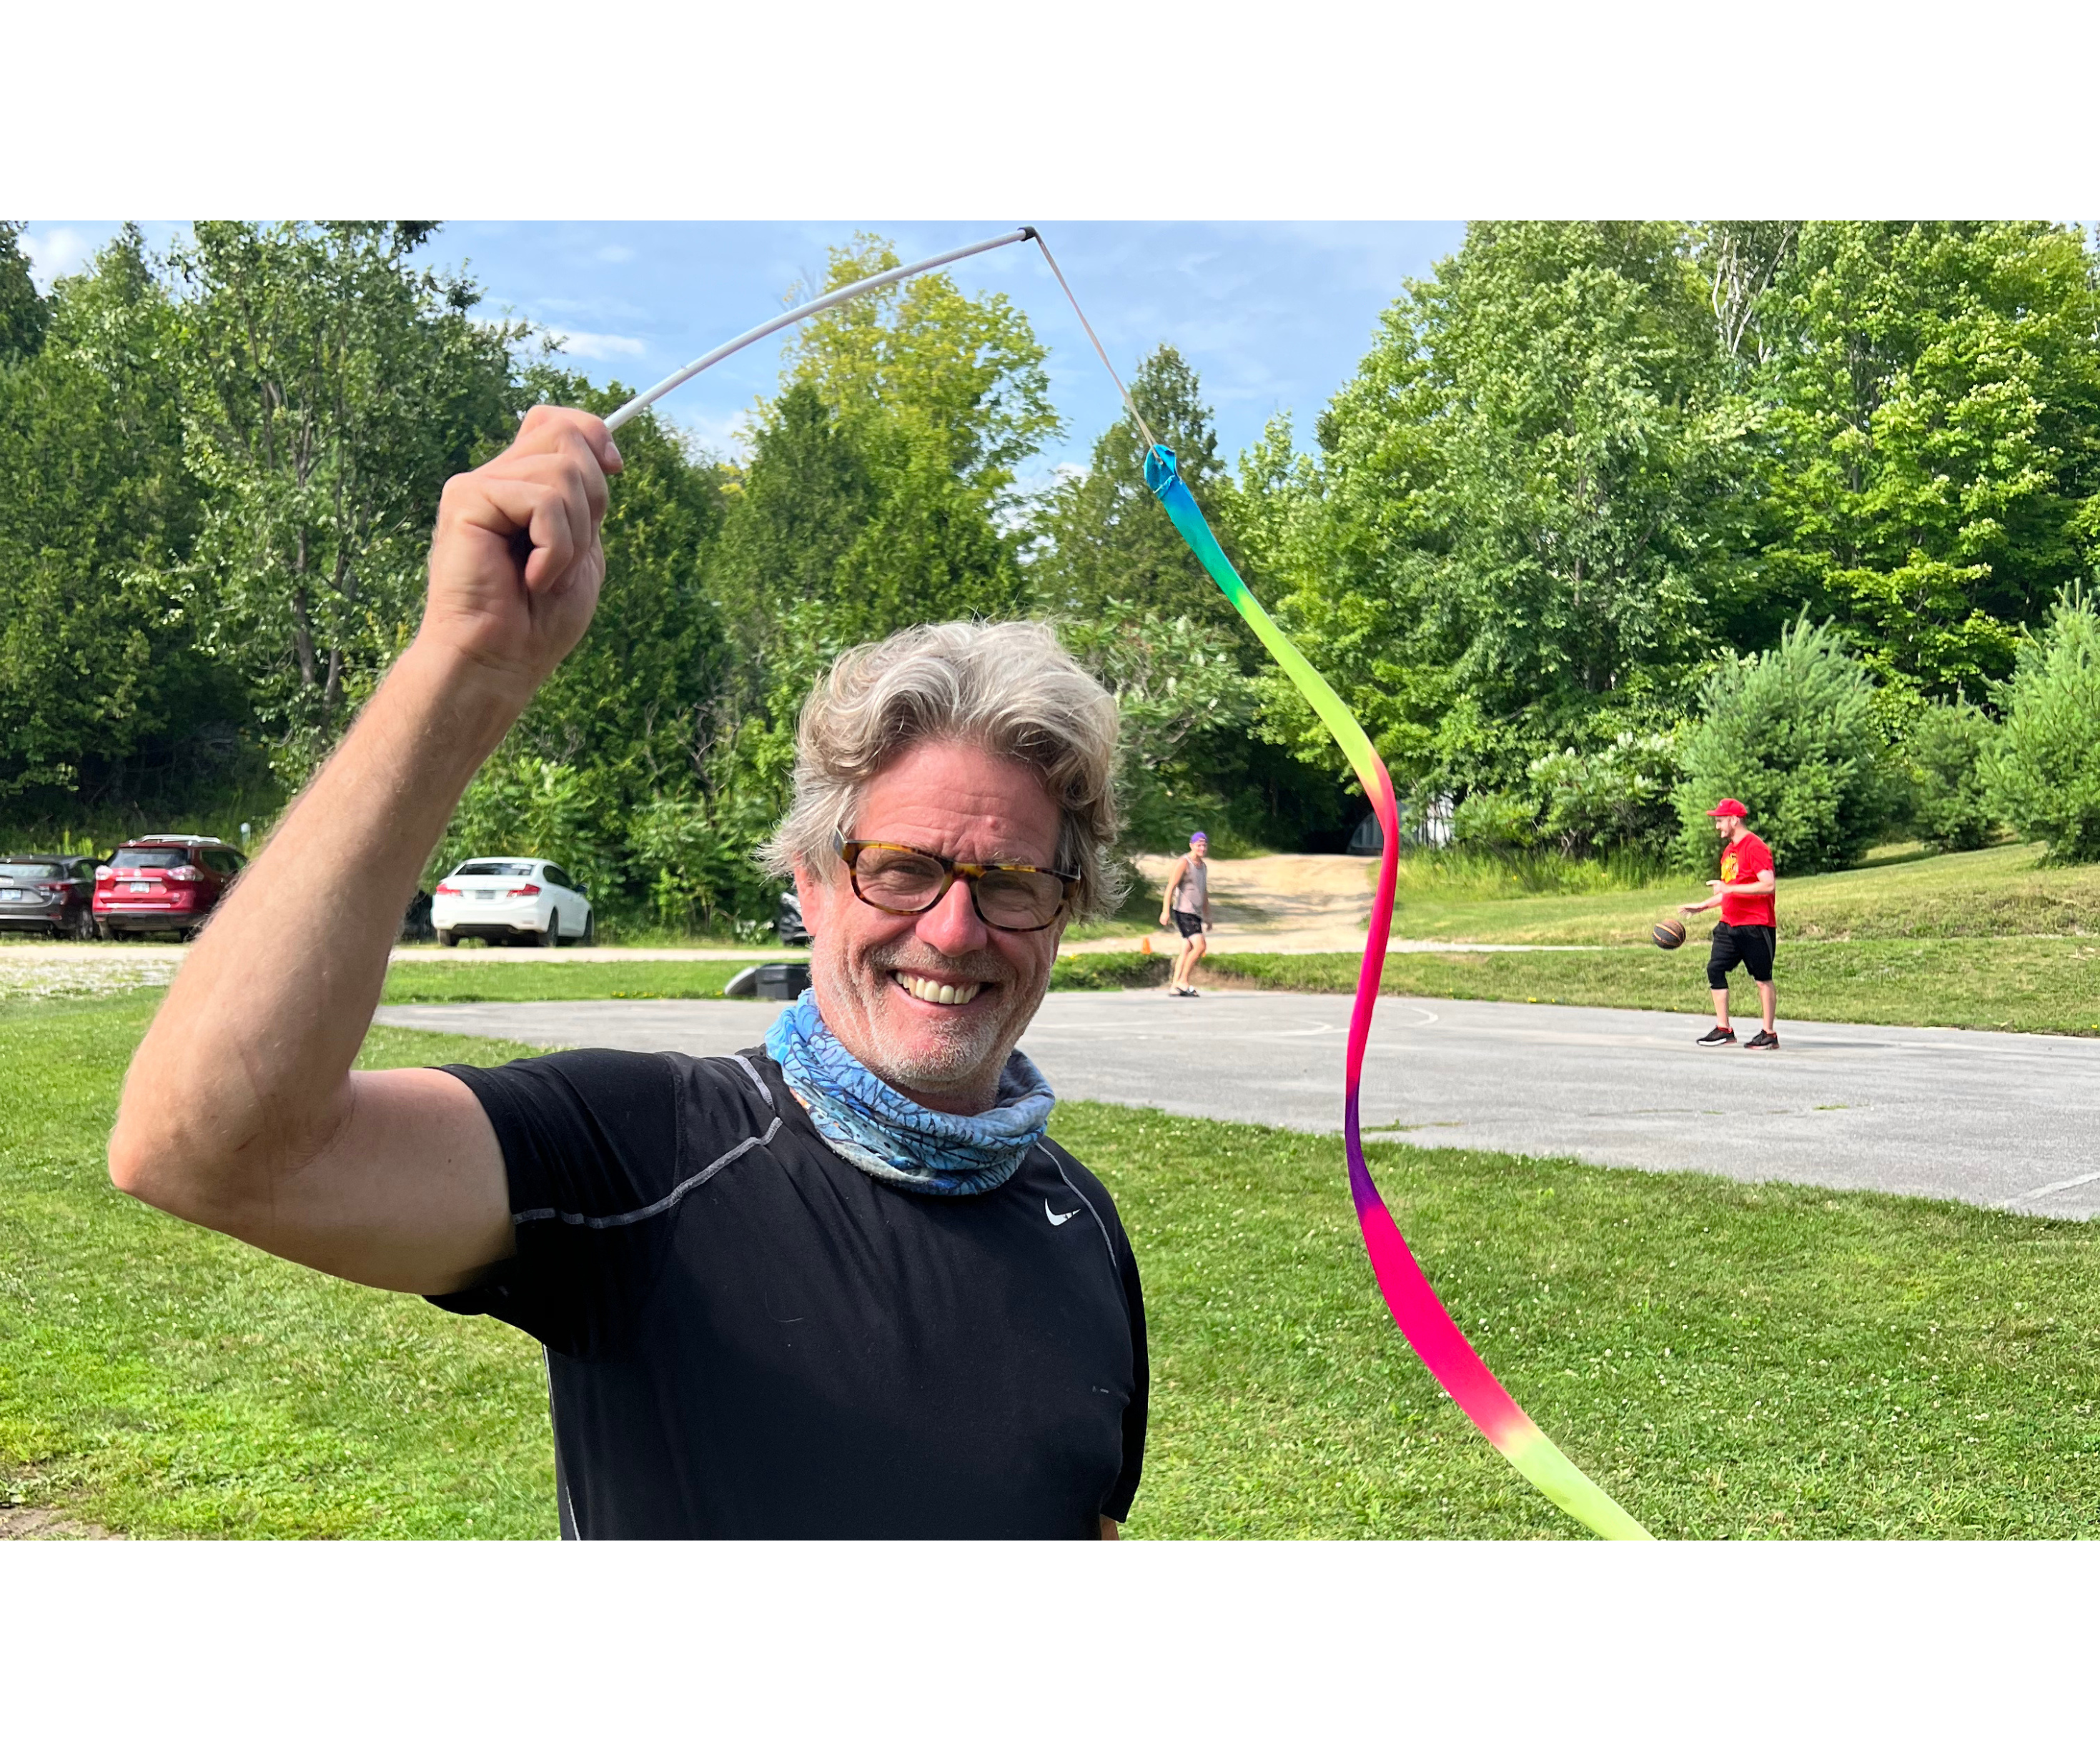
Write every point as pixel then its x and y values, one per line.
pixel 748 1337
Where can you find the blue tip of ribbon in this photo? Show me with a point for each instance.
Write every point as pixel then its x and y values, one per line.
pixel 1161 470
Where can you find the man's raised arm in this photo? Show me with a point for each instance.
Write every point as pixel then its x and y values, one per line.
pixel 240 1110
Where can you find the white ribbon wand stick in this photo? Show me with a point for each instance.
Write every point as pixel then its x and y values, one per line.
pixel 634 406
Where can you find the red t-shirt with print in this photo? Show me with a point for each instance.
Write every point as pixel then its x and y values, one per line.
pixel 1741 861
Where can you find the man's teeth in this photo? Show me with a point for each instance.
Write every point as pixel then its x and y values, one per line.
pixel 927 991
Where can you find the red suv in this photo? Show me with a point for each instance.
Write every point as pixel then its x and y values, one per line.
pixel 170 881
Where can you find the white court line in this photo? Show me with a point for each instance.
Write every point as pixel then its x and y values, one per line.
pixel 2062 1185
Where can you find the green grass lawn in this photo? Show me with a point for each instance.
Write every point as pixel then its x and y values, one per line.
pixel 1903 894
pixel 1725 1360
pixel 160 1379
pixel 469 980
pixel 2032 984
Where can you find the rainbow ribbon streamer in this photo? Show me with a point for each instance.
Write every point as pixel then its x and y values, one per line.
pixel 1421 1317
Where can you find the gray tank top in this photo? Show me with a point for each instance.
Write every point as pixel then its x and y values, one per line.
pixel 1193 894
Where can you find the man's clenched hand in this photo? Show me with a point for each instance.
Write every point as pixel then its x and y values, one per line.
pixel 517 562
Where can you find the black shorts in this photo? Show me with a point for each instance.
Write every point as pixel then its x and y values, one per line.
pixel 1750 945
pixel 1188 923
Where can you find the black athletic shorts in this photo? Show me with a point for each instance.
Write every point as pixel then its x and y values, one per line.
pixel 1750 945
pixel 1188 923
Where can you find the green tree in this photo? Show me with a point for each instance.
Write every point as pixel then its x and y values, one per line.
pixel 847 524
pixel 801 503
pixel 631 703
pixel 1931 437
pixel 969 370
pixel 1943 755
pixel 1795 735
pixel 1740 262
pixel 1101 537
pixel 104 700
pixel 1174 683
pixel 25 313
pixel 2041 776
pixel 618 736
pixel 1518 523
pixel 328 389
pixel 1109 566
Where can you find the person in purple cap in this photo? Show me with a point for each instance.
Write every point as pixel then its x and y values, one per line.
pixel 1187 910
pixel 1747 933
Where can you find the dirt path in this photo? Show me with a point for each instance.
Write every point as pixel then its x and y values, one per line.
pixel 20 1524
pixel 1279 905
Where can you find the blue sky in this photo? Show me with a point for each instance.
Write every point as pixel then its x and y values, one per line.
pixel 1274 316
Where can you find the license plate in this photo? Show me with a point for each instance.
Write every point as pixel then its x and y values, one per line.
pixel 142 885
pixel 8 892
pixel 484 895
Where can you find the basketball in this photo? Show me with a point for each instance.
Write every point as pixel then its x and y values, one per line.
pixel 1670 933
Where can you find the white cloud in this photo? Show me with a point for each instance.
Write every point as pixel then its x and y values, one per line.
pixel 59 251
pixel 594 345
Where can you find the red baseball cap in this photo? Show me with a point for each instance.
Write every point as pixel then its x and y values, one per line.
pixel 1730 808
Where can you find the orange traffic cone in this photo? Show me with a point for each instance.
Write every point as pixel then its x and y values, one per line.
pixel 1145 947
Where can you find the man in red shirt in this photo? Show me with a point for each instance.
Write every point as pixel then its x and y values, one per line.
pixel 1747 933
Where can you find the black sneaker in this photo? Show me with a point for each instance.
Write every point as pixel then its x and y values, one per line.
pixel 1762 1041
pixel 1719 1036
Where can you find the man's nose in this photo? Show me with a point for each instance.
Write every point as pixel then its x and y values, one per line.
pixel 953 926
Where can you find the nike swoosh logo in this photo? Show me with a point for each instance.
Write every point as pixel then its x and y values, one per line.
pixel 1056 1219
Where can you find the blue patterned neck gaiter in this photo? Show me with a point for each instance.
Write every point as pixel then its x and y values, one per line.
pixel 902 1143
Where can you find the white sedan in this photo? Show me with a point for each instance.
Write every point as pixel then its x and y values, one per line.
pixel 509 898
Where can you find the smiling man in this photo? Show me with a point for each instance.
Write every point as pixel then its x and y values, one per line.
pixel 843 1285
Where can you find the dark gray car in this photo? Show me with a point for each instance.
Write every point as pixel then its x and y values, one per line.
pixel 49 894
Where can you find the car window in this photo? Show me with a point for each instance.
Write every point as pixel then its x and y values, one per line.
pixel 215 860
pixel 31 871
pixel 559 878
pixel 512 870
pixel 149 858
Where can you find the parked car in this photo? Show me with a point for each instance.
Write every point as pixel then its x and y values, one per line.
pixel 789 928
pixel 166 880
pixel 53 895
pixel 507 899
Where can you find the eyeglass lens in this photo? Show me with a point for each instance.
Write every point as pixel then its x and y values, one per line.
pixel 899 880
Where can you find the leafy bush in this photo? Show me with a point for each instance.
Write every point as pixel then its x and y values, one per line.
pixel 1174 680
pixel 1790 732
pixel 1494 821
pixel 2042 775
pixel 1941 763
pixel 699 872
pixel 524 805
pixel 1613 800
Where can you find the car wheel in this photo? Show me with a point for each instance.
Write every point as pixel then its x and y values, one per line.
pixel 551 935
pixel 446 938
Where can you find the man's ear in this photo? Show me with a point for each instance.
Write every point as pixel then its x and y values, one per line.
pixel 815 896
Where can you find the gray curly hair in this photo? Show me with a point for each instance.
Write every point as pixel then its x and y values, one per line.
pixel 1008 688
